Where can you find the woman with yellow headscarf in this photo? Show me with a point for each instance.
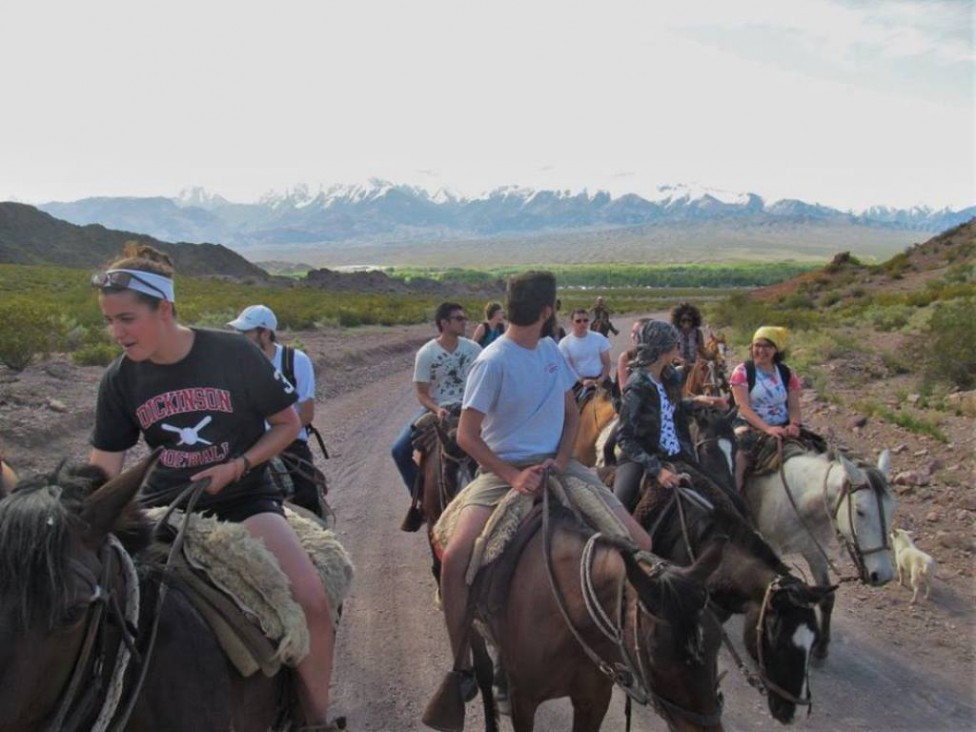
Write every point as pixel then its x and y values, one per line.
pixel 767 394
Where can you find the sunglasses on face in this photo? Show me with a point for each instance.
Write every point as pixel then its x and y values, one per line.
pixel 581 320
pixel 121 280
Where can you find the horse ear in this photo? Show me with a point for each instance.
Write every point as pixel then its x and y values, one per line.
pixel 854 473
pixel 649 589
pixel 709 560
pixel 884 463
pixel 103 507
pixel 807 595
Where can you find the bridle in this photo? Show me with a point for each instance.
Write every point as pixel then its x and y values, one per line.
pixel 853 545
pixel 76 704
pixel 630 673
pixel 847 491
pixel 761 680
pixel 74 708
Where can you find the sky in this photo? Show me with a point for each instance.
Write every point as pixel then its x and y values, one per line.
pixel 848 104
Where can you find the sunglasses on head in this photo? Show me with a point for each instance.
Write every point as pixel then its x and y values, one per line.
pixel 122 280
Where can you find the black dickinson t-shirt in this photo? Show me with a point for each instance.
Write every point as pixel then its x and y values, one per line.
pixel 204 410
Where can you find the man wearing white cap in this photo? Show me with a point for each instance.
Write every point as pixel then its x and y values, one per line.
pixel 258 324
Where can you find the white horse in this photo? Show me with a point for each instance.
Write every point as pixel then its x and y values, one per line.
pixel 825 503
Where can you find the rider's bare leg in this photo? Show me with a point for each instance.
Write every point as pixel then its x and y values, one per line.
pixel 315 670
pixel 454 567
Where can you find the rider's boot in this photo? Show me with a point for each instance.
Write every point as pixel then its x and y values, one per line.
pixel 445 711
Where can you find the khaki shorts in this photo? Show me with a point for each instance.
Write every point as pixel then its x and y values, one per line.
pixel 487 489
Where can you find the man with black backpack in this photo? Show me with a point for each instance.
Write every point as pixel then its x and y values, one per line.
pixel 258 324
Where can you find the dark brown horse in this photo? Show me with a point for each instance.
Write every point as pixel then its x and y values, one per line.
pixel 780 626
pixel 651 631
pixel 68 620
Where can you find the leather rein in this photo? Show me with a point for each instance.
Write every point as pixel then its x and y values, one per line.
pixel 847 491
pixel 75 705
pixel 631 673
pixel 759 681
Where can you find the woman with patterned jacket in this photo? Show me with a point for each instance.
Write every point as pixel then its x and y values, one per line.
pixel 653 436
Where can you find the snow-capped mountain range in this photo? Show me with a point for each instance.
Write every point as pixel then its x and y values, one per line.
pixel 378 211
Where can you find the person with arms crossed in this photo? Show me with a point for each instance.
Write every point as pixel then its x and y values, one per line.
pixel 587 352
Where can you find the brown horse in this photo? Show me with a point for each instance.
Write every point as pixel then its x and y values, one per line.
pixel 69 621
pixel 650 631
pixel 596 414
pixel 708 374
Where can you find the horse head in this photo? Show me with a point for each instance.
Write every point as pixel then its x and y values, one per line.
pixel 680 638
pixel 715 443
pixel 56 577
pixel 780 635
pixel 862 510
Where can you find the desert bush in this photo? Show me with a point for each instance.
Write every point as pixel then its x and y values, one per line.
pixel 888 319
pixel 27 329
pixel 949 354
pixel 95 354
pixel 904 419
pixel 829 298
pixel 798 301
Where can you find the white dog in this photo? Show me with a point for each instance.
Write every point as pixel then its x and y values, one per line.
pixel 912 561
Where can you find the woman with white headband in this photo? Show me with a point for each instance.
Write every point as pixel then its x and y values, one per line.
pixel 203 396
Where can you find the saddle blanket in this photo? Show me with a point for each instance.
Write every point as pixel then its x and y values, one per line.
pixel 588 500
pixel 241 566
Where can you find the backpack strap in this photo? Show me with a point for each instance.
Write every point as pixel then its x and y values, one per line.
pixel 784 373
pixel 288 365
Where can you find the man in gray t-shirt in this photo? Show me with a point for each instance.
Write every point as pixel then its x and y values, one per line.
pixel 519 419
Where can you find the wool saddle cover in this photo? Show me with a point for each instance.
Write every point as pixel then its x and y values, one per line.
pixel 586 500
pixel 229 571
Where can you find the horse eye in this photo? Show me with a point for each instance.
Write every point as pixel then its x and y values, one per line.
pixel 860 513
pixel 74 614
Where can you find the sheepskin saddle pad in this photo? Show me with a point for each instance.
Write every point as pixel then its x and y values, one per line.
pixel 237 585
pixel 586 500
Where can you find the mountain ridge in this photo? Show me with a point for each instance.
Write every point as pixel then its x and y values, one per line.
pixel 380 211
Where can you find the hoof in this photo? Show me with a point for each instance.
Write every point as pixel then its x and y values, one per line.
pixel 820 652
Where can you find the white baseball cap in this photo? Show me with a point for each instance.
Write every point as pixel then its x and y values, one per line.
pixel 255 316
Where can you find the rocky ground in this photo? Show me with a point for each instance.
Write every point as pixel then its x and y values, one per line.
pixel 363 393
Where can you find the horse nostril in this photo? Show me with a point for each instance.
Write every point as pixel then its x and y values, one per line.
pixel 874 578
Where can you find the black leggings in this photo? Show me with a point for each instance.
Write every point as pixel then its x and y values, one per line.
pixel 626 484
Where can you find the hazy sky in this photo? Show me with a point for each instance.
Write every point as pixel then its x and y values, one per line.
pixel 848 104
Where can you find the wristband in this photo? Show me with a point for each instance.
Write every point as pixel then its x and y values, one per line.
pixel 247 466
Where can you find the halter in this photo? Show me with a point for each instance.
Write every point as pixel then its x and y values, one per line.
pixel 630 674
pixel 848 489
pixel 761 682
pixel 76 703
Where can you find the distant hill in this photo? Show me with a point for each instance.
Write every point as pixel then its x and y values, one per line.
pixel 845 278
pixel 31 236
pixel 367 224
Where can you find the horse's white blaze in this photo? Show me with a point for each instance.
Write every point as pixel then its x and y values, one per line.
pixel 726 447
pixel 803 639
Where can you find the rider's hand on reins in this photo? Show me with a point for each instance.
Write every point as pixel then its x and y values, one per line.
pixel 529 480
pixel 668 479
pixel 220 476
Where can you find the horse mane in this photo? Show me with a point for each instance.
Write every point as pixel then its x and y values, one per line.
pixel 705 525
pixel 685 599
pixel 37 521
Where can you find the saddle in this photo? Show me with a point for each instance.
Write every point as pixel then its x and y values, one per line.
pixel 236 584
pixel 585 500
pixel 766 453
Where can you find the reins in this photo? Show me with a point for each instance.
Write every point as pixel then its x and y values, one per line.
pixel 847 491
pixel 631 675
pixel 761 681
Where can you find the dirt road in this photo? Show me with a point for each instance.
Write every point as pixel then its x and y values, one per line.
pixel 393 648
pixel 892 666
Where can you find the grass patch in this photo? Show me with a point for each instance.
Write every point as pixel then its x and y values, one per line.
pixel 916 425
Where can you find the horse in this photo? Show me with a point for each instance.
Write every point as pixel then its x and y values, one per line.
pixel 708 375
pixel 601 325
pixel 650 632
pixel 812 501
pixel 76 601
pixel 595 415
pixel 780 624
